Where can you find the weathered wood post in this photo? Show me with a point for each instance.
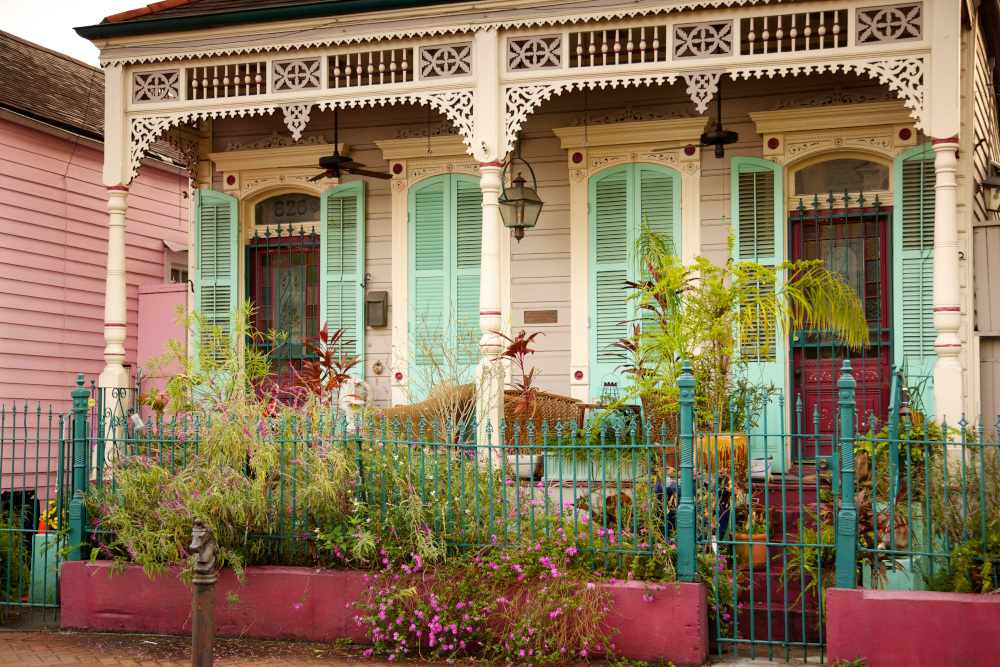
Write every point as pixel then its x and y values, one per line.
pixel 204 547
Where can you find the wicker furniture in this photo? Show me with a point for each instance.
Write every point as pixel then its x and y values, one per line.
pixel 551 409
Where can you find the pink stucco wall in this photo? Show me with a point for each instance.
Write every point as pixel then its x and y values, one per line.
pixel 54 219
pixel 913 628
pixel 674 626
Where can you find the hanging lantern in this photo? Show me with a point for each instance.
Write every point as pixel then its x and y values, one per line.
pixel 519 205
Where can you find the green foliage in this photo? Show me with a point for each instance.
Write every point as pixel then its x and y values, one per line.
pixel 721 318
pixel 14 558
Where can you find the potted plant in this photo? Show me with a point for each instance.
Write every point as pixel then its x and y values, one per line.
pixel 750 532
pixel 722 318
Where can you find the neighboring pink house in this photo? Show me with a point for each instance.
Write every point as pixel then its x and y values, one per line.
pixel 54 225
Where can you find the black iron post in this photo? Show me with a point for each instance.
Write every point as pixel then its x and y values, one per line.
pixel 204 547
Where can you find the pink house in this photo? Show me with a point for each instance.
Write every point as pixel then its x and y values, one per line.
pixel 54 220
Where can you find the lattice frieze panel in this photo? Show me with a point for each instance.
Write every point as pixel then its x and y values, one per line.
pixel 618 46
pixel 891 23
pixel 232 80
pixel 782 33
pixel 371 68
pixel 163 86
pixel 533 53
pixel 298 74
pixel 703 40
pixel 438 62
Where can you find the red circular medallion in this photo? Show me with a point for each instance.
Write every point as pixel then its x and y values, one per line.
pixel 397 168
pixel 905 133
pixel 689 150
pixel 399 376
pixel 578 375
pixel 773 143
pixel 577 158
pixel 230 180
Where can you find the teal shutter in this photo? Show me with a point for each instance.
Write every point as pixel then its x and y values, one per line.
pixel 446 227
pixel 216 229
pixel 609 236
pixel 468 253
pixel 341 263
pixel 758 236
pixel 620 198
pixel 913 268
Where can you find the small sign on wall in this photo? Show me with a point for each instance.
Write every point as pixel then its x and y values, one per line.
pixel 541 316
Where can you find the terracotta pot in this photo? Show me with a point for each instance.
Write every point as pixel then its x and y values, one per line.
pixel 747 553
pixel 727 447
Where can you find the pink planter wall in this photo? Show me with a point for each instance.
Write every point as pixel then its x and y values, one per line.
pixel 674 626
pixel 913 628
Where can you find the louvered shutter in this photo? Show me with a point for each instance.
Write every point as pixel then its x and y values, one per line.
pixel 342 261
pixel 468 246
pixel 659 201
pixel 216 233
pixel 758 236
pixel 609 237
pixel 913 267
pixel 429 293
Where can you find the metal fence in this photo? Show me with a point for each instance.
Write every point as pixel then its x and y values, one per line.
pixel 901 504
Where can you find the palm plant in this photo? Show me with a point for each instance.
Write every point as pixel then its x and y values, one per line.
pixel 723 318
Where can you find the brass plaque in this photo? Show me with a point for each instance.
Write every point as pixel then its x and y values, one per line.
pixel 541 316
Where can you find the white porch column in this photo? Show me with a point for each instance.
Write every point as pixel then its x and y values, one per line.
pixel 114 374
pixel 948 385
pixel 489 376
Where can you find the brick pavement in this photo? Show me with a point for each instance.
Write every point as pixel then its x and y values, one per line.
pixel 100 650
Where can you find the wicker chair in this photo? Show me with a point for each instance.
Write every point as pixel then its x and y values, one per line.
pixel 551 409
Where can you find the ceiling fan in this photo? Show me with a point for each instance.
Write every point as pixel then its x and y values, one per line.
pixel 332 165
pixel 718 137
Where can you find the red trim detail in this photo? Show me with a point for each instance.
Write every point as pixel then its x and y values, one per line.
pixel 118 188
pixel 947 309
pixel 491 164
pixel 113 324
pixel 953 140
pixel 949 345
pixel 490 312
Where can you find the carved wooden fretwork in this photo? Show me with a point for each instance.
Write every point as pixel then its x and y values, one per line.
pixel 438 62
pixel 299 74
pixel 441 129
pixel 533 53
pixel 161 86
pixel 836 97
pixel 703 40
pixel 702 87
pixel 296 117
pixel 631 114
pixel 188 150
pixel 250 183
pixel 274 140
pixel 890 23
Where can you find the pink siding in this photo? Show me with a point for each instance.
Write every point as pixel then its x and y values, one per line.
pixel 53 219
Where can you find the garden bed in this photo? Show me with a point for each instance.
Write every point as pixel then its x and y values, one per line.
pixel 315 605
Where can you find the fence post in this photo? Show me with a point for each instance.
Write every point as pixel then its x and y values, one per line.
pixel 847 516
pixel 686 531
pixel 77 513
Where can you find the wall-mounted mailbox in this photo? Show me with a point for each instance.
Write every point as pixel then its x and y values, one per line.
pixel 377 309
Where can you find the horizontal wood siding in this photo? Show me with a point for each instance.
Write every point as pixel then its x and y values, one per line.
pixel 53 260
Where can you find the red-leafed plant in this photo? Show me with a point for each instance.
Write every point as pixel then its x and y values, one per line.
pixel 324 376
pixel 517 350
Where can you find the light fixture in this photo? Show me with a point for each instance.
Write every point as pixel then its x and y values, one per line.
pixel 990 188
pixel 719 137
pixel 519 205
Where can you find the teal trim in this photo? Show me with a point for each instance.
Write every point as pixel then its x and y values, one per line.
pixel 445 240
pixel 619 198
pixel 216 229
pixel 243 16
pixel 342 265
pixel 758 218
pixel 913 269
